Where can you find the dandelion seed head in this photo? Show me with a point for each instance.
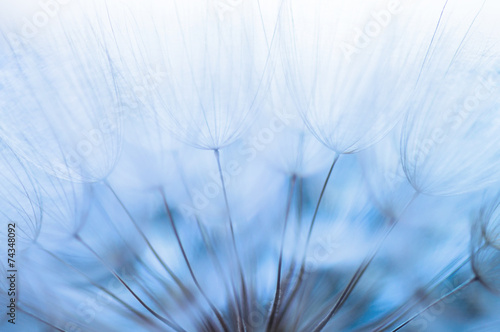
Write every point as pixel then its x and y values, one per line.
pixel 113 114
pixel 448 142
pixel 347 100
pixel 387 181
pixel 20 200
pixel 58 110
pixel 209 93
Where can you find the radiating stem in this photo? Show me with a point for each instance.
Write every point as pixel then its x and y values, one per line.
pixel 191 272
pixel 233 239
pixel 361 270
pixel 150 246
pixel 206 241
pixel 313 220
pixel 435 282
pixel 209 245
pixel 407 306
pixel 138 259
pixel 311 227
pixel 300 308
pixel 101 288
pixel 353 282
pixel 456 290
pixel 288 278
pixel 277 295
pixel 39 319
pixel 137 297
